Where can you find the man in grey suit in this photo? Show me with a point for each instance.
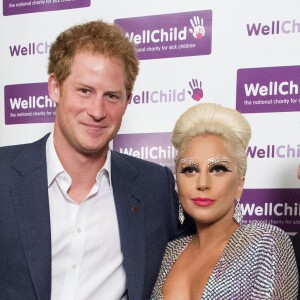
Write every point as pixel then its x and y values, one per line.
pixel 78 220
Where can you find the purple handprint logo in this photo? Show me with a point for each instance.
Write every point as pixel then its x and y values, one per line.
pixel 197 92
pixel 197 30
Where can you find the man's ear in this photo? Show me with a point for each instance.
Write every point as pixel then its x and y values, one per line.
pixel 127 100
pixel 53 88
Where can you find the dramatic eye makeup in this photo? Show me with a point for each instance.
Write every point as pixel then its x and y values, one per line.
pixel 218 169
pixel 189 161
pixel 216 159
pixel 216 164
pixel 189 165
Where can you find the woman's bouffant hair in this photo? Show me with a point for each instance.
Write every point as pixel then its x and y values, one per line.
pixel 214 119
pixel 98 37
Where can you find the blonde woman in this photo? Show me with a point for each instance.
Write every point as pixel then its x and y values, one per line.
pixel 224 259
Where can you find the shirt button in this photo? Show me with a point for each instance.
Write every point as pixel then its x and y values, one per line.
pixel 78 230
pixel 134 209
pixel 73 267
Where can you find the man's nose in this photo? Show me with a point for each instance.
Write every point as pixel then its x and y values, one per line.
pixel 96 108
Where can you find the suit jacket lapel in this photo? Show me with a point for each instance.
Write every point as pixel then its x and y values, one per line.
pixel 30 197
pixel 130 212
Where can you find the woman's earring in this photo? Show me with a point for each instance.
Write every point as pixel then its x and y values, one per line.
pixel 181 216
pixel 238 214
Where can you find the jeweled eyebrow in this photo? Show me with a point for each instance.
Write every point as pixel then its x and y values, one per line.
pixel 214 159
pixel 189 161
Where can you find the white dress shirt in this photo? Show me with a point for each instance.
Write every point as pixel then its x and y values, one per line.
pixel 87 262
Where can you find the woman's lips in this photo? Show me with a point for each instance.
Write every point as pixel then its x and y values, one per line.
pixel 203 201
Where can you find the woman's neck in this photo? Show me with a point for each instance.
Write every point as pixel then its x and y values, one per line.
pixel 212 234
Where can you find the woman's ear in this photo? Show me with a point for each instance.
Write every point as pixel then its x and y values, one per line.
pixel 240 188
pixel 53 88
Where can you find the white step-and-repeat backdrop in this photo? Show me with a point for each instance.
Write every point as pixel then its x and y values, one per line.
pixel 241 54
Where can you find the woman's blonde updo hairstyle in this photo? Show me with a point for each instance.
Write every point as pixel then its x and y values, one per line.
pixel 214 119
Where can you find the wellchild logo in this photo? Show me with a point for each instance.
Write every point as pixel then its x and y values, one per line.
pixel 269 209
pixel 198 29
pixel 283 210
pixel 170 35
pixel 168 96
pixel 276 89
pixel 24 7
pixel 274 151
pixel 275 27
pixel 30 49
pixel 155 147
pixel 157 97
pixel 28 103
pixel 196 90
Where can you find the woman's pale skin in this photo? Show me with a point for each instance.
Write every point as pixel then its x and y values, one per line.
pixel 206 170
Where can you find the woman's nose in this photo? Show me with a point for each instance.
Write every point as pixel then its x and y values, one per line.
pixel 203 182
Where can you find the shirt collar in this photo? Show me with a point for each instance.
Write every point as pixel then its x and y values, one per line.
pixel 54 166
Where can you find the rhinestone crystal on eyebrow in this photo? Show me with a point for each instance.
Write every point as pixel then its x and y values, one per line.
pixel 189 161
pixel 214 159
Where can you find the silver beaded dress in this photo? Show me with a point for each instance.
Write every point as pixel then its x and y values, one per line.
pixel 258 262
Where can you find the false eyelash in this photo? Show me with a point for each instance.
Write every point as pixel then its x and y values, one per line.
pixel 221 167
pixel 188 169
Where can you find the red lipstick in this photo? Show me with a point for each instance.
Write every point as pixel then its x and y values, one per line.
pixel 203 201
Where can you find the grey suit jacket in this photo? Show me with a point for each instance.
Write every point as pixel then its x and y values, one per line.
pixel 146 207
